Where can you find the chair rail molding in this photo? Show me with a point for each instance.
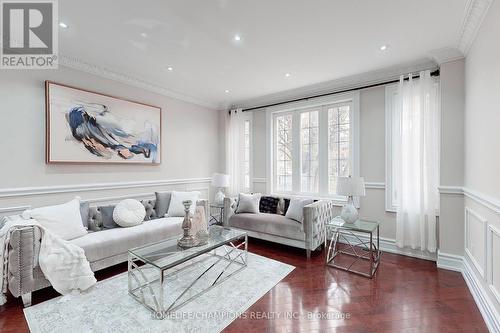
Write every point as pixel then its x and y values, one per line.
pixel 457 190
pixel 475 12
pixel 484 199
pixel 42 190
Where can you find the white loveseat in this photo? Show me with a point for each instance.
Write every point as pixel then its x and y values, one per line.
pixel 308 235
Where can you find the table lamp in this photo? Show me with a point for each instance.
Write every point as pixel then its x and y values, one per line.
pixel 350 187
pixel 220 181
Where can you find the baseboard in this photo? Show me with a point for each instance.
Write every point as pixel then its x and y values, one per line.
pixel 450 261
pixel 481 297
pixel 389 245
pixel 483 300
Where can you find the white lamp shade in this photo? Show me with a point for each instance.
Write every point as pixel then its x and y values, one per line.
pixel 348 186
pixel 220 180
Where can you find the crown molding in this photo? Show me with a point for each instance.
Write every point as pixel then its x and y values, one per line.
pixel 349 82
pixel 446 54
pixel 80 65
pixel 475 12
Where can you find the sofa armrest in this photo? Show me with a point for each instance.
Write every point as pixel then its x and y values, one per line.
pixel 229 209
pixel 316 215
pixel 23 250
pixel 204 203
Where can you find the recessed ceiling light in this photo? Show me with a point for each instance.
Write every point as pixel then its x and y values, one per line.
pixel 226 91
pixel 63 25
pixel 170 68
pixel 287 74
pixel 237 38
pixel 143 34
pixel 383 47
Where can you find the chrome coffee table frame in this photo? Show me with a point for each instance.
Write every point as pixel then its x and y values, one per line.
pixel 233 254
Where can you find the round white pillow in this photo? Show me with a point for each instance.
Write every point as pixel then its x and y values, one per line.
pixel 129 213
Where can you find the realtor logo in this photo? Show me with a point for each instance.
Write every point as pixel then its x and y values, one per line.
pixel 29 34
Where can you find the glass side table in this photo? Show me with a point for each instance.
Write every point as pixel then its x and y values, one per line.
pixel 353 247
pixel 216 214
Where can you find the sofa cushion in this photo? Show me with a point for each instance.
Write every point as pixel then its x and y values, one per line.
pixel 107 221
pixel 129 213
pixel 110 242
pixel 84 212
pixel 248 203
pixel 162 203
pixel 269 205
pixel 271 224
pixel 296 209
pixel 286 205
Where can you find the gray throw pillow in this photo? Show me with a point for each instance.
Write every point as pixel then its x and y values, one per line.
pixel 248 203
pixel 162 203
pixel 84 212
pixel 107 217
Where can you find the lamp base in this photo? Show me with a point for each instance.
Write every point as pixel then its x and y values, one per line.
pixel 219 197
pixel 349 212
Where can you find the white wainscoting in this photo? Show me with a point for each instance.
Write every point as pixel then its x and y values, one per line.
pixel 23 198
pixel 475 239
pixel 480 266
pixel 493 259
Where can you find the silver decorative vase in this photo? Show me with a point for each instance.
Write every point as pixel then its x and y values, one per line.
pixel 187 240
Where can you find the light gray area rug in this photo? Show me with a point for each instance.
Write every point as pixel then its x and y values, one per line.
pixel 107 307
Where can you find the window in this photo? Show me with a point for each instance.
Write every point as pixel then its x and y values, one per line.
pixel 283 153
pixel 246 154
pixel 339 141
pixel 313 143
pixel 309 152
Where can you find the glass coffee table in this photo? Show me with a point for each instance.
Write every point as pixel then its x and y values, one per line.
pixel 163 276
pixel 353 247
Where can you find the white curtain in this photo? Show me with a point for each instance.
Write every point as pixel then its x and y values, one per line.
pixel 417 136
pixel 234 165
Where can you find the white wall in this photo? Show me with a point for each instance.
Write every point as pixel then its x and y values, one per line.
pixel 189 150
pixel 451 217
pixel 482 158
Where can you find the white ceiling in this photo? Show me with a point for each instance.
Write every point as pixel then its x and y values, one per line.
pixel 314 41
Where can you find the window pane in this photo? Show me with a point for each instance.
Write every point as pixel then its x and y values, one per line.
pixel 309 138
pixel 246 154
pixel 339 138
pixel 283 153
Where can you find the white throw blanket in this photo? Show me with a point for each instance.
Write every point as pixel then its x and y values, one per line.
pixel 63 263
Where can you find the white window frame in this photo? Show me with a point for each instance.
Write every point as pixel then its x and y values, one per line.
pixel 322 104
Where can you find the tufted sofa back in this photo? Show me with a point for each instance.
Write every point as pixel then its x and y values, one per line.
pixel 95 216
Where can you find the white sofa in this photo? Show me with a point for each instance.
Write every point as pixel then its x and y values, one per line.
pixel 102 248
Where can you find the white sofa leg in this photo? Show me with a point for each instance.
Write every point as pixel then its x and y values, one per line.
pixel 26 299
pixel 308 253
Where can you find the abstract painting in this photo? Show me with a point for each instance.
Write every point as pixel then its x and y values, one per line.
pixel 88 127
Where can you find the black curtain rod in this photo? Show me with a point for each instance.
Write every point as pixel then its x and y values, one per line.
pixel 434 73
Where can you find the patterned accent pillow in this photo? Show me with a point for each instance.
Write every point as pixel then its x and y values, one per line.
pixel 287 204
pixel 269 205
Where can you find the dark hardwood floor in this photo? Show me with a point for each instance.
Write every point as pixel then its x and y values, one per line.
pixel 406 295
